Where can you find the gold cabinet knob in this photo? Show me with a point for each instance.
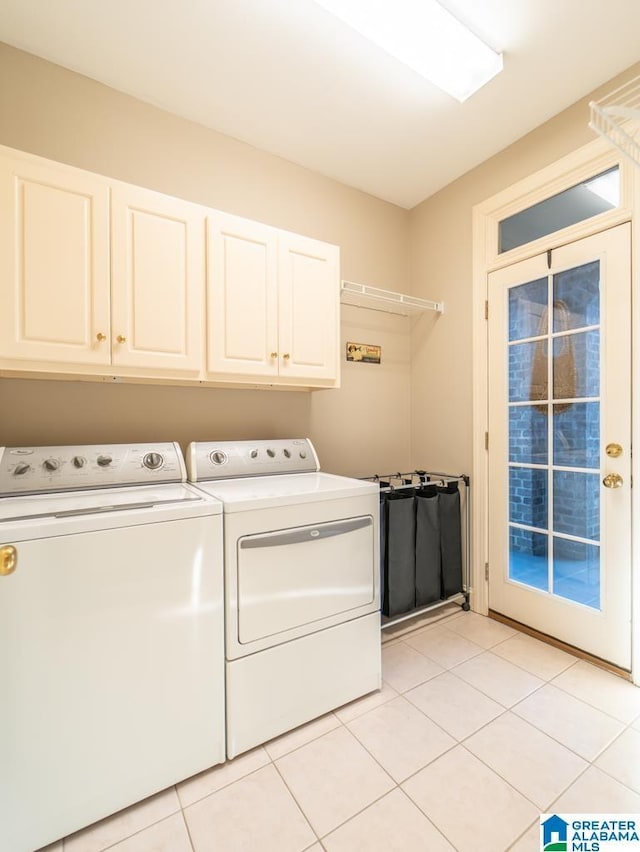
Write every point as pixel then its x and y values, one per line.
pixel 8 560
pixel 100 337
pixel 121 338
pixel 286 356
pixel 612 480
pixel 274 354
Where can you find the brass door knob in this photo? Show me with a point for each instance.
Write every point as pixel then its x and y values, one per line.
pixel 612 480
pixel 100 337
pixel 286 356
pixel 8 560
pixel 121 338
pixel 614 451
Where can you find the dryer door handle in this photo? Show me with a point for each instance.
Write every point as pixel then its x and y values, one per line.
pixel 306 534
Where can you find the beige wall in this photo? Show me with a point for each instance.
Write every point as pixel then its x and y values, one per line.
pixel 413 410
pixel 359 429
pixel 440 267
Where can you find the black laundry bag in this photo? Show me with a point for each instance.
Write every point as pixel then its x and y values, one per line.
pixel 450 539
pixel 428 558
pixel 383 544
pixel 399 557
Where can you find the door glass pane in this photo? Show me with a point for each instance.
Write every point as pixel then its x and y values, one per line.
pixel 576 297
pixel 528 435
pixel 589 198
pixel 528 497
pixel 528 558
pixel 576 571
pixel 576 434
pixel 576 504
pixel 527 309
pixel 576 365
pixel 522 372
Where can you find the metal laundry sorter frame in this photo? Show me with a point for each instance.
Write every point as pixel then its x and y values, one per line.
pixel 420 482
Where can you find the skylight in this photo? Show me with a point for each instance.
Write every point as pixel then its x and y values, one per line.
pixel 426 37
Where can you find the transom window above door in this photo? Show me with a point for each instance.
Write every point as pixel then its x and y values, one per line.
pixel 589 198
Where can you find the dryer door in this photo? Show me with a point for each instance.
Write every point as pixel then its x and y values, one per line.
pixel 300 576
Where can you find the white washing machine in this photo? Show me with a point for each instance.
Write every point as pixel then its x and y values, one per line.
pixel 302 591
pixel 111 634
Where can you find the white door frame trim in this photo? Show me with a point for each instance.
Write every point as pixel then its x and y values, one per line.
pixel 585 162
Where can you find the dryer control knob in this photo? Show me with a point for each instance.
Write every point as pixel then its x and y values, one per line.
pixel 254 454
pixel 104 461
pixel 153 461
pixel 271 453
pixel 51 464
pixel 218 457
pixel 303 454
pixel 21 469
pixel 287 454
pixel 78 461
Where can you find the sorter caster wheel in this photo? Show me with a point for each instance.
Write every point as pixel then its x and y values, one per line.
pixel 466 606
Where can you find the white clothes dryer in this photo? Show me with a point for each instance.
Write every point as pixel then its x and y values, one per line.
pixel 111 634
pixel 302 588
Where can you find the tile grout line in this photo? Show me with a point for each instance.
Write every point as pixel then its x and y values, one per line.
pixel 133 833
pixel 186 824
pixel 519 792
pixel 611 716
pixel 298 805
pixel 520 836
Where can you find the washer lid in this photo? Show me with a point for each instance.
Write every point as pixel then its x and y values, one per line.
pixel 260 492
pixel 179 500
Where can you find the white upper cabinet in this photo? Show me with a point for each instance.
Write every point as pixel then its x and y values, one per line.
pixel 157 255
pixel 54 263
pixel 102 278
pixel 272 303
pixel 242 296
pixel 309 308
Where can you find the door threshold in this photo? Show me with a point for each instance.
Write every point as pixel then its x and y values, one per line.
pixel 563 646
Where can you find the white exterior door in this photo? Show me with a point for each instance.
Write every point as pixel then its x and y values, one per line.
pixel 559 444
pixel 309 304
pixel 54 263
pixel 242 297
pixel 157 280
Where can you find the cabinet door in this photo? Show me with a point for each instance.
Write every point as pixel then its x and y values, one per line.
pixel 242 306
pixel 157 287
pixel 309 308
pixel 54 262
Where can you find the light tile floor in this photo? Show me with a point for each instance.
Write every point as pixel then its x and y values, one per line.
pixel 477 730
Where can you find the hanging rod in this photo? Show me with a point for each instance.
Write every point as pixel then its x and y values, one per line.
pixel 365 296
pixel 425 477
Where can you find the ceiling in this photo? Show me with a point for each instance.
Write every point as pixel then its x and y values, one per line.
pixel 288 78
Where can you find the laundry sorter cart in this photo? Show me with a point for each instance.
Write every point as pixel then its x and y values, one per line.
pixel 424 542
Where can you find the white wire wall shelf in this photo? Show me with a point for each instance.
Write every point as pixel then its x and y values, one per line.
pixel 616 117
pixel 364 296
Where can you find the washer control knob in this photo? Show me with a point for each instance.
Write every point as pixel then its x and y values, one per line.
pixel 153 461
pixel 271 453
pixel 303 454
pixel 104 461
pixel 51 464
pixel 218 457
pixel 287 454
pixel 21 469
pixel 254 454
pixel 78 461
